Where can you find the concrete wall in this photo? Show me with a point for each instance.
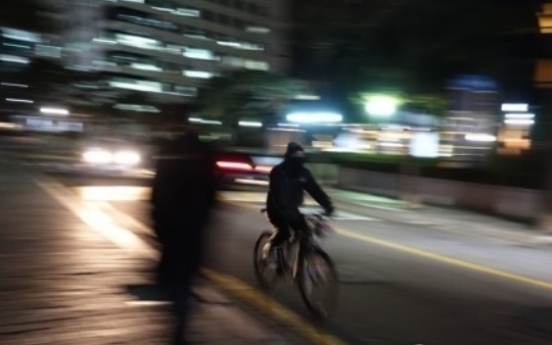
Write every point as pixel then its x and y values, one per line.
pixel 499 200
pixel 325 174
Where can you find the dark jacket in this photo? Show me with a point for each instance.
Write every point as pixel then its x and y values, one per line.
pixel 182 197
pixel 286 194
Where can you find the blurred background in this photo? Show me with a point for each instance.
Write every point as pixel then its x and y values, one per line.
pixel 367 84
pixel 429 123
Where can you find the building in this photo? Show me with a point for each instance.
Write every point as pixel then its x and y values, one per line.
pixel 22 53
pixel 168 49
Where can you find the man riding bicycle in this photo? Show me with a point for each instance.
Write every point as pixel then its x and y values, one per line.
pixel 288 180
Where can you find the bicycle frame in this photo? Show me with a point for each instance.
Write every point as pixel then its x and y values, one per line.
pixel 304 241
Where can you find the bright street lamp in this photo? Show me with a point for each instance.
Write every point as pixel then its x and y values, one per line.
pixel 381 105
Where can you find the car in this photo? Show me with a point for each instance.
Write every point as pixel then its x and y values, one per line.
pixel 236 168
pixel 112 157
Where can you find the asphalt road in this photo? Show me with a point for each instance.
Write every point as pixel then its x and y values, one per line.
pixel 400 283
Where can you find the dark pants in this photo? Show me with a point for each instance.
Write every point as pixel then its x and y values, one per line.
pixel 283 229
pixel 177 267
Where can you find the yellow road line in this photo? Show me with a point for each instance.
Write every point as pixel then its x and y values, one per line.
pixel 438 257
pixel 271 308
pixel 447 260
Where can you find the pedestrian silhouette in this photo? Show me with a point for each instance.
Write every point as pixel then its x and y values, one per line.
pixel 182 196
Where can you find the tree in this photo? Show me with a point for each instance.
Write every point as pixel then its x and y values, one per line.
pixel 246 94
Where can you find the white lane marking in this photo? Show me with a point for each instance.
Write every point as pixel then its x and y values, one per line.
pixel 114 193
pixel 93 216
pixel 251 182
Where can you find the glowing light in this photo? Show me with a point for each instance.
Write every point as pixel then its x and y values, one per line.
pixel 54 111
pixel 263 169
pixel 520 116
pixel 480 137
pixel 250 124
pixel 204 122
pixel 126 158
pixel 15 85
pixel 17 100
pixel 307 97
pixel 520 122
pixel 198 74
pixel 114 193
pixel 14 59
pixel 146 67
pixel 380 105
pixel 234 165
pixel 97 156
pixel 515 107
pixel 314 117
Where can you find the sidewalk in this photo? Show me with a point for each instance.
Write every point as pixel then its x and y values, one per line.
pixel 65 284
pixel 440 218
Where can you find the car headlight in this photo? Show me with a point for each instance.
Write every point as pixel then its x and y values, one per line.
pixel 126 158
pixel 97 156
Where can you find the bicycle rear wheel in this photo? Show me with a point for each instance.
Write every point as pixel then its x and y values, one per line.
pixel 265 271
pixel 318 282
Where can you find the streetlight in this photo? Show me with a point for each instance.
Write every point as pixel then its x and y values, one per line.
pixel 381 105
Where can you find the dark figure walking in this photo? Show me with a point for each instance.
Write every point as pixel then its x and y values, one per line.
pixel 182 196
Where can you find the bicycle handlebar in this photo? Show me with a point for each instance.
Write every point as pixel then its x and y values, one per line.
pixel 313 215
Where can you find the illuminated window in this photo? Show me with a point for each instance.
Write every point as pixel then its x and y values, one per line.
pixel 137 41
pixel 198 74
pixel 188 12
pixel 137 85
pixel 256 65
pixel 146 67
pixel 201 54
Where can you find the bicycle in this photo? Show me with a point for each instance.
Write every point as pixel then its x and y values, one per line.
pixel 303 261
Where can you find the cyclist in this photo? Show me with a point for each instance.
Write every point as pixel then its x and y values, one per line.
pixel 288 180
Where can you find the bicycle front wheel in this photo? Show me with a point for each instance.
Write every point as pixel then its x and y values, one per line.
pixel 318 282
pixel 265 271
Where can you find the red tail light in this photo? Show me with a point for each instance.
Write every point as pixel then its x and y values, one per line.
pixel 263 169
pixel 234 166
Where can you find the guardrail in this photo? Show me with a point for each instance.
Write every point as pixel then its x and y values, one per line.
pixel 504 201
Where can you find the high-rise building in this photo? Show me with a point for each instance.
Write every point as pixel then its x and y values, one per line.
pixel 168 49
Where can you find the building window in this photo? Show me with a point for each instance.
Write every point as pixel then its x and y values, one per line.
pixel 137 41
pixel 136 84
pixel 198 74
pixel 146 67
pixel 256 65
pixel 188 12
pixel 201 54
pixel 185 90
